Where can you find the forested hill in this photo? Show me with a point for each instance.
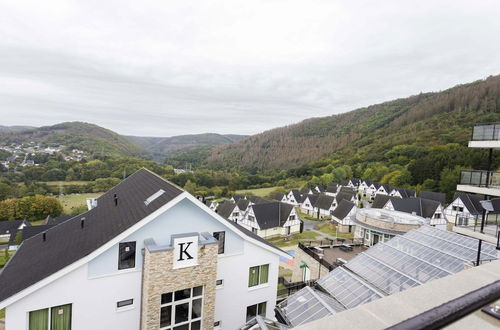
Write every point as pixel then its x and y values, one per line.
pixel 84 136
pixel 161 146
pixel 424 119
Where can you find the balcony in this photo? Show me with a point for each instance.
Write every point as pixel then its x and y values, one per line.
pixel 480 182
pixel 472 227
pixel 485 136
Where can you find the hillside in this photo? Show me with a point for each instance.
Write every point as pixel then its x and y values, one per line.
pixel 83 136
pixel 14 128
pixel 162 146
pixel 424 119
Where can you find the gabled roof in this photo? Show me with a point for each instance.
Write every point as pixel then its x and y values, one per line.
pixel 236 198
pixel 271 215
pixel 319 188
pixel 260 200
pixel 405 192
pixel 11 226
pixel 367 182
pixel 243 204
pixel 296 194
pixel 472 203
pixel 225 209
pixel 324 202
pixel 343 195
pixel 376 184
pixel 495 202
pixel 332 187
pixel 355 181
pixel 344 182
pixel 312 198
pixel 67 242
pixel 305 190
pixel 278 196
pixel 380 201
pixel 343 209
pixel 435 196
pixel 70 244
pixel 420 206
pixel 387 187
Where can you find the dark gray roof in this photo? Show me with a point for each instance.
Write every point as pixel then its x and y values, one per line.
pixel 343 209
pixel 225 209
pixel 320 188
pixel 67 242
pixel 305 190
pixel 278 196
pixel 387 187
pixel 238 197
pixel 260 200
pixel 324 202
pixel 376 184
pixel 355 181
pixel 271 215
pixel 495 202
pixel 380 201
pixel 347 190
pixel 31 231
pixel 297 195
pixel 435 196
pixel 420 206
pixel 344 182
pixel 343 195
pixel 332 187
pixel 243 204
pixel 57 220
pixel 472 203
pixel 368 182
pixel 312 198
pixel 11 226
pixel 406 193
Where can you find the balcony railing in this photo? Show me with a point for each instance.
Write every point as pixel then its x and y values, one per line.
pixel 486 132
pixel 480 178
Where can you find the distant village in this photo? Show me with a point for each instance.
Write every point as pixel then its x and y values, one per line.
pixel 23 154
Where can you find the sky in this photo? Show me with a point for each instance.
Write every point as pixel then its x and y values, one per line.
pixel 168 67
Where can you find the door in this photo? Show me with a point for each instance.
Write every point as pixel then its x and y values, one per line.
pixel 287 230
pixel 375 239
pixel 61 318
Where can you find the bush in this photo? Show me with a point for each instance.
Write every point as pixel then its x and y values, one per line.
pixel 31 208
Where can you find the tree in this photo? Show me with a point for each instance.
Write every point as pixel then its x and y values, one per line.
pixel 190 186
pixel 449 179
pixel 19 237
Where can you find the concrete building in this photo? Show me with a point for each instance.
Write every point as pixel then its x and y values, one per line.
pixel 148 256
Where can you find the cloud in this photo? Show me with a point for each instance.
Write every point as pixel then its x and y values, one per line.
pixel 181 67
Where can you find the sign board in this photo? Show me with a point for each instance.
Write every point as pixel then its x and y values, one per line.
pixel 185 252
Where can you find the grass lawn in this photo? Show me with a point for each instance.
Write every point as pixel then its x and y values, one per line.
pixel 72 201
pixel 38 222
pixel 65 183
pixel 294 239
pixel 310 217
pixel 327 229
pixel 261 192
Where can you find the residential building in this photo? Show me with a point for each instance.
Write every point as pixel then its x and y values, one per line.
pixel 229 210
pixel 332 189
pixel 294 197
pixel 148 256
pixel 9 230
pixel 465 209
pixel 342 216
pixel 425 208
pixel 272 219
pixel 435 196
pixel 403 193
pixel 308 202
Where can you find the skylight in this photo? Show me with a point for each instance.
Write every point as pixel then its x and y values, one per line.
pixel 154 196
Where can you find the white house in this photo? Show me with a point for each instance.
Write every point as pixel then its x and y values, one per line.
pixel 384 189
pixel 372 189
pixel 272 219
pixel 9 230
pixel 332 189
pixel 229 210
pixel 424 208
pixel 342 215
pixel 402 193
pixel 464 210
pixel 307 204
pixel 294 197
pixel 324 205
pixel 148 256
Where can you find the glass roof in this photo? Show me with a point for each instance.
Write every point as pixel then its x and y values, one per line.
pixel 403 262
pixel 308 305
pixel 346 288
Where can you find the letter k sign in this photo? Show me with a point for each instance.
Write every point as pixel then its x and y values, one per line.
pixel 185 252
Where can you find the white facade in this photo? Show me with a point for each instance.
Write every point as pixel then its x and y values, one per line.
pixel 307 207
pixel 459 212
pixel 291 226
pixel 94 285
pixel 291 198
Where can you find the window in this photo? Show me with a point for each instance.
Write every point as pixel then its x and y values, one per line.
pixel 219 282
pixel 127 255
pixel 437 216
pixel 258 275
pixel 254 230
pixel 257 309
pixel 235 214
pixel 454 208
pixel 182 309
pixel 59 318
pixel 461 209
pixel 220 236
pixel 124 303
pixel 251 218
pixel 217 324
pixel 292 217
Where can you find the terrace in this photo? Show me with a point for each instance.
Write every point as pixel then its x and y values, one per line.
pixel 485 136
pixel 480 182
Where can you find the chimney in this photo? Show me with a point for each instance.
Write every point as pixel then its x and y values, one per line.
pixel 82 222
pixel 116 200
pixel 44 237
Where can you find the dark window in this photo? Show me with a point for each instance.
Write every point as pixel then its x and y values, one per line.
pixel 257 309
pixel 197 291
pixel 217 323
pixel 124 303
pixel 165 316
pixel 166 298
pixel 221 237
pixel 181 313
pixel 182 294
pixel 219 282
pixel 127 255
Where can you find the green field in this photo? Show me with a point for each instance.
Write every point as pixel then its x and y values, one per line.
pixel 327 229
pixel 294 239
pixel 65 183
pixel 261 192
pixel 72 201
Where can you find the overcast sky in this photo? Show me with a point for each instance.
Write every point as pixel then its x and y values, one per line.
pixel 167 67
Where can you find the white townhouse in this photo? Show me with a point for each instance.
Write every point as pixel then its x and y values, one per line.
pixel 307 204
pixel 294 197
pixel 324 205
pixel 384 189
pixel 342 216
pixel 332 189
pixel 464 210
pixel 372 189
pixel 422 207
pixel 229 210
pixel 402 193
pixel 272 219
pixel 148 256
pixel 9 230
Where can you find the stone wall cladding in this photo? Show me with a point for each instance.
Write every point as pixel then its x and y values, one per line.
pixel 158 277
